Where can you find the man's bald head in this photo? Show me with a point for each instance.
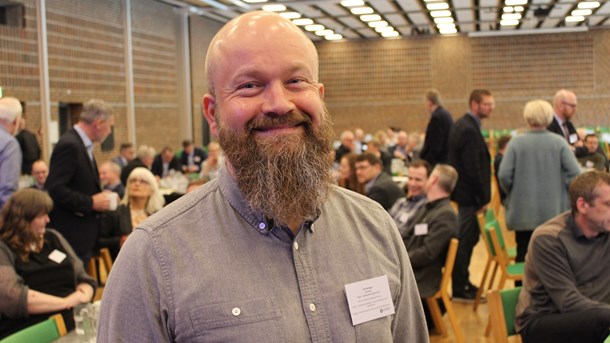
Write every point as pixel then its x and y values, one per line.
pixel 248 29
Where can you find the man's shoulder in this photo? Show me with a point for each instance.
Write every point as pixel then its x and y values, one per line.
pixel 553 228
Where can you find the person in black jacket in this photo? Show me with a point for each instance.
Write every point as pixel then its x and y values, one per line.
pixel 564 106
pixel 165 162
pixel 469 155
pixel 378 185
pixel 30 149
pixel 437 133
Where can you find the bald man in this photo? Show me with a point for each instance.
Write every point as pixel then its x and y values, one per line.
pixel 271 250
pixel 564 107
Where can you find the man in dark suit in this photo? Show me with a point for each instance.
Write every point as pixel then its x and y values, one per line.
pixel 74 183
pixel 437 133
pixel 379 186
pixel 469 155
pixel 192 157
pixel 165 162
pixel 428 233
pixel 564 106
pixel 30 149
pixel 126 154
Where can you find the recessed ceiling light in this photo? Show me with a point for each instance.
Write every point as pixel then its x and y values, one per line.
pixel 588 4
pixel 511 16
pixel 437 6
pixel 291 15
pixel 446 26
pixel 515 2
pixel 443 20
pixel 378 23
pixel 370 17
pixel 573 19
pixel 582 12
pixel 448 31
pixel 362 10
pixel 323 33
pixel 352 3
pixel 303 22
pixel 519 8
pixel 390 34
pixel 274 8
pixel 314 27
pixel 436 14
pixel 335 36
pixel 509 9
pixel 509 22
pixel 384 29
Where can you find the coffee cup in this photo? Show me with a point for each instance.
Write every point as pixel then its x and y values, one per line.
pixel 113 200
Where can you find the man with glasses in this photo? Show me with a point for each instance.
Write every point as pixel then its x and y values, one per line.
pixel 564 107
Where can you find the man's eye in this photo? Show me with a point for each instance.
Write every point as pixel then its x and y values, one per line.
pixel 248 85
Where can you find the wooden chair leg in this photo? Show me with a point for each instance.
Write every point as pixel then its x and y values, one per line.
pixel 453 319
pixel 437 316
pixel 477 299
pixel 92 269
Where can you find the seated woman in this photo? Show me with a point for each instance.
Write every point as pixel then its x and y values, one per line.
pixel 40 274
pixel 347 173
pixel 142 198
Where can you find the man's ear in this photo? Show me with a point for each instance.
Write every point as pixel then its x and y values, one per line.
pixel 321 90
pixel 209 112
pixel 582 206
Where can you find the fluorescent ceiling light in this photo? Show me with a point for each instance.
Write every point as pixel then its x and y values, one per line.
pixel 323 33
pixel 582 12
pixel 390 34
pixel 291 15
pixel 446 26
pixel 362 10
pixel 508 9
pixel 302 22
pixel 522 32
pixel 573 19
pixel 274 8
pixel 352 3
pixel 370 17
pixel 215 4
pixel 254 1
pixel 515 2
pixel 335 36
pixel 448 31
pixel 443 20
pixel 509 22
pixel 436 14
pixel 511 16
pixel 588 4
pixel 384 29
pixel 240 4
pixel 314 27
pixel 519 8
pixel 437 6
pixel 378 23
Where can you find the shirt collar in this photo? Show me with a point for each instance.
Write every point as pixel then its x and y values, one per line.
pixel 434 203
pixel 88 143
pixel 228 186
pixel 559 120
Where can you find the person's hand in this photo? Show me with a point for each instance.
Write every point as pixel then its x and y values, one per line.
pixel 192 169
pixel 100 202
pixel 72 300
pixel 84 292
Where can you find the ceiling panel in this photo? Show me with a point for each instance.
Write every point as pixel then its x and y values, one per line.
pixel 401 13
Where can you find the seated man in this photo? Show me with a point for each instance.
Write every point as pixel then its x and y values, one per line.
pixel 566 289
pixel 191 158
pixel 165 162
pixel 589 155
pixel 405 207
pixel 378 185
pixel 144 159
pixel 430 230
pixel 40 171
pixel 110 177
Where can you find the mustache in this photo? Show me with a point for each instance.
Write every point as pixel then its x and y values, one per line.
pixel 268 121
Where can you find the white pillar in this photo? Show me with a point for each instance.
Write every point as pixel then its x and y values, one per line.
pixel 129 98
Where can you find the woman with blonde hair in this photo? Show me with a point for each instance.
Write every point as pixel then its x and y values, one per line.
pixel 40 275
pixel 142 199
pixel 535 172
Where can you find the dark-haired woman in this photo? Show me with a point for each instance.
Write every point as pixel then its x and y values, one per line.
pixel 40 274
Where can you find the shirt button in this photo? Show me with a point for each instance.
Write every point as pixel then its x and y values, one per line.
pixel 236 311
pixel 312 307
pixel 296 246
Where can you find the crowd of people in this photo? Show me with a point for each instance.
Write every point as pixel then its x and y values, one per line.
pixel 285 208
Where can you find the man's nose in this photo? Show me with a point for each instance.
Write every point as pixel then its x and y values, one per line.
pixel 277 99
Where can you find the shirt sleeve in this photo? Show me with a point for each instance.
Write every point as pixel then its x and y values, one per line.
pixel 549 260
pixel 135 306
pixel 13 292
pixel 506 173
pixel 10 167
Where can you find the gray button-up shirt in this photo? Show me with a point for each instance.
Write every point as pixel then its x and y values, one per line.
pixel 209 269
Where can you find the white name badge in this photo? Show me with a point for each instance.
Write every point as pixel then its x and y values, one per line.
pixel 57 256
pixel 573 138
pixel 421 229
pixel 369 299
pixel 589 164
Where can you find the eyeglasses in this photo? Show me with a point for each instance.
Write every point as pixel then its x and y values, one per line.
pixel 569 104
pixel 136 180
pixel 363 167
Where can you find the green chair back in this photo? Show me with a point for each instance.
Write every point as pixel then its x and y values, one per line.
pixel 490 215
pixel 494 225
pixel 43 332
pixel 510 297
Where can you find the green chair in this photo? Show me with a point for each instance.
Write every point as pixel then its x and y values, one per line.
pixel 502 311
pixel 43 332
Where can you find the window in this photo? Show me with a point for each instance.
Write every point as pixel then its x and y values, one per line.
pixel 12 14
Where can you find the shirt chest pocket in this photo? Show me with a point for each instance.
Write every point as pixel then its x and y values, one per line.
pixel 253 320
